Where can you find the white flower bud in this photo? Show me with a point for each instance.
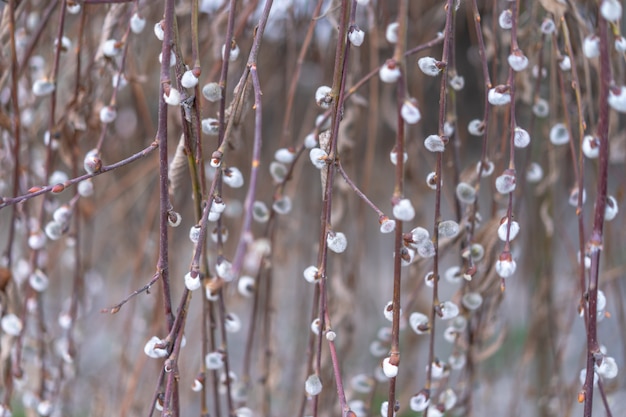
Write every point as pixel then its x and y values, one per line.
pixel 337 242
pixel 573 197
pixel 541 108
pixel 66 43
pixel 403 210
pixel 152 351
pixel 197 385
pixel 85 188
pixel 518 61
pixel 192 282
pixel 172 58
pixel 438 370
pixel 234 52
pixel 63 214
pixel 407 256
pixel 174 218
pixel 285 155
pixel 591 146
pixel 356 37
pixel 233 177
pixel 173 98
pixel 310 274
pixel 393 157
pixel 534 173
pixel 608 368
pixel 410 113
pixel 212 92
pixel 472 301
pixel 521 138
pixel 278 171
pixel 282 205
pixel 431 180
pixel 505 20
pixel 611 10
pixel 566 63
pixel 448 229
pixel 548 26
pixel 449 310
pixel 505 183
pixel 391 33
pixel 419 323
pixel 224 270
pixel 591 46
pixel 11 325
pixel 387 225
pixel 43 87
pixel 499 95
pixel 362 383
pixel 310 141
pixel 71 9
pixel 246 286
pixel 313 385
pixel 214 361
pixel 232 323
pixel 620 44
pixel 92 162
pixel 435 143
pixel 559 134
pixel 617 98
pixel 465 193
pixel 388 311
pixel 315 326
pixel 377 349
pixel 119 81
pixel 111 48
pixel 37 240
pixel 210 126
pixel 194 233
pixel 583 376
pixel 420 401
pixel 158 31
pixel 318 157
pixel 189 79
pixel 505 265
pixel 323 96
pixel 390 370
pixel 487 168
pixel 54 230
pixel 137 23
pixel 243 412
pixel 38 281
pixel 260 212
pixel 503 228
pixel 108 114
pixel 429 66
pixel 389 72
pixel 611 209
pixel 457 82
pixel 476 127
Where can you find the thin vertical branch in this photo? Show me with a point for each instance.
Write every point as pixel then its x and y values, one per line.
pixel 398 193
pixel 596 239
pixel 437 217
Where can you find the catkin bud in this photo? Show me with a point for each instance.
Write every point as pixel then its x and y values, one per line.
pixel 137 23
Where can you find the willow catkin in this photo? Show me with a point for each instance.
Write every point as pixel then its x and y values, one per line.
pixel 178 167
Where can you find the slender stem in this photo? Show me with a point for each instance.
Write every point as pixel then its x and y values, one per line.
pixel 245 234
pixel 596 239
pixel 437 218
pixel 398 193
